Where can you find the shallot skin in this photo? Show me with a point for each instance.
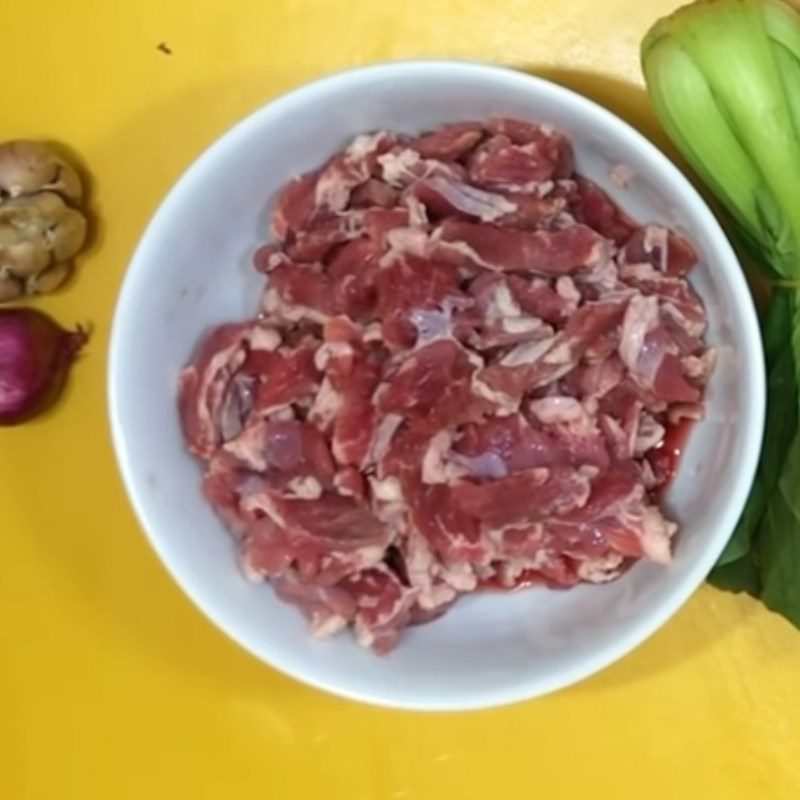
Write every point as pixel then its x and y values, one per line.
pixel 36 354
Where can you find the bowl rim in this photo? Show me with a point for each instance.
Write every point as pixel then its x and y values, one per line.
pixel 728 267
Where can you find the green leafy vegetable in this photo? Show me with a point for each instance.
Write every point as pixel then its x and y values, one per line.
pixel 724 77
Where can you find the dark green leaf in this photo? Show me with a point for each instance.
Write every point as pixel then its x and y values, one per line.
pixel 737 576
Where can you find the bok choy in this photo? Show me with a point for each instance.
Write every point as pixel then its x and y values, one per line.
pixel 724 77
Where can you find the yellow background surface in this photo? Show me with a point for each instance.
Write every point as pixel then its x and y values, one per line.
pixel 111 684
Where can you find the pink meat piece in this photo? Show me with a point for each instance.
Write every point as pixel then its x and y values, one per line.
pixel 350 482
pixel 664 249
pixel 374 192
pixel 295 206
pixel 327 608
pixel 449 529
pixel 531 211
pixel 318 549
pixel 531 495
pixel 352 272
pixel 505 445
pixel 681 310
pixel 377 222
pixel 348 170
pixel 403 457
pixel 341 522
pixel 305 285
pixel 383 606
pixel 203 384
pixel 284 377
pixel 471 369
pixel 408 284
pixel 519 155
pixel 432 388
pixel 616 516
pixel 288 446
pixel 445 196
pixel 221 486
pixel 536 296
pixel 314 243
pixel 401 167
pixel 535 364
pixel 559 252
pixel 448 143
pixel 355 424
pixel 593 207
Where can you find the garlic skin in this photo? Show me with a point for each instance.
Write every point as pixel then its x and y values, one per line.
pixel 37 231
pixel 40 230
pixel 28 167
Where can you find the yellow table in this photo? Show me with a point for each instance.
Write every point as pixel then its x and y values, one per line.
pixel 111 684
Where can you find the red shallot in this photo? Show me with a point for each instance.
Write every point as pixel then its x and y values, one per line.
pixel 35 356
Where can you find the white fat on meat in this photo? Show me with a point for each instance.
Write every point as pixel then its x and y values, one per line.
pixel 395 166
pixel 373 332
pixel 486 206
pixel 641 317
pixel 334 185
pixel 566 288
pixel 304 487
pixel 273 305
pixel 328 350
pixel 215 379
pixel 693 327
pixel 656 535
pixel 538 188
pixel 331 191
pixel 504 308
pixel 604 275
pixel 502 303
pixel 387 490
pixel 619 440
pixel 248 570
pixel 437 467
pixel 382 438
pixel 326 406
pixel 460 576
pixel 262 338
pixel 622 175
pixel 423 569
pixel 402 241
pixel 601 570
pixel 364 144
pixel 652 528
pixel 460 248
pixel 509 570
pixel 557 410
pixel 649 434
pixel 417 213
pixel 525 324
pixel 323 626
pixel 434 324
pixel 248 446
pixel 527 353
pixel 504 404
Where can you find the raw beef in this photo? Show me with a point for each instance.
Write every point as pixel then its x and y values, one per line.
pixel 469 370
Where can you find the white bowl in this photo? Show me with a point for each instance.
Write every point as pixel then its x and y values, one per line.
pixel 192 270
